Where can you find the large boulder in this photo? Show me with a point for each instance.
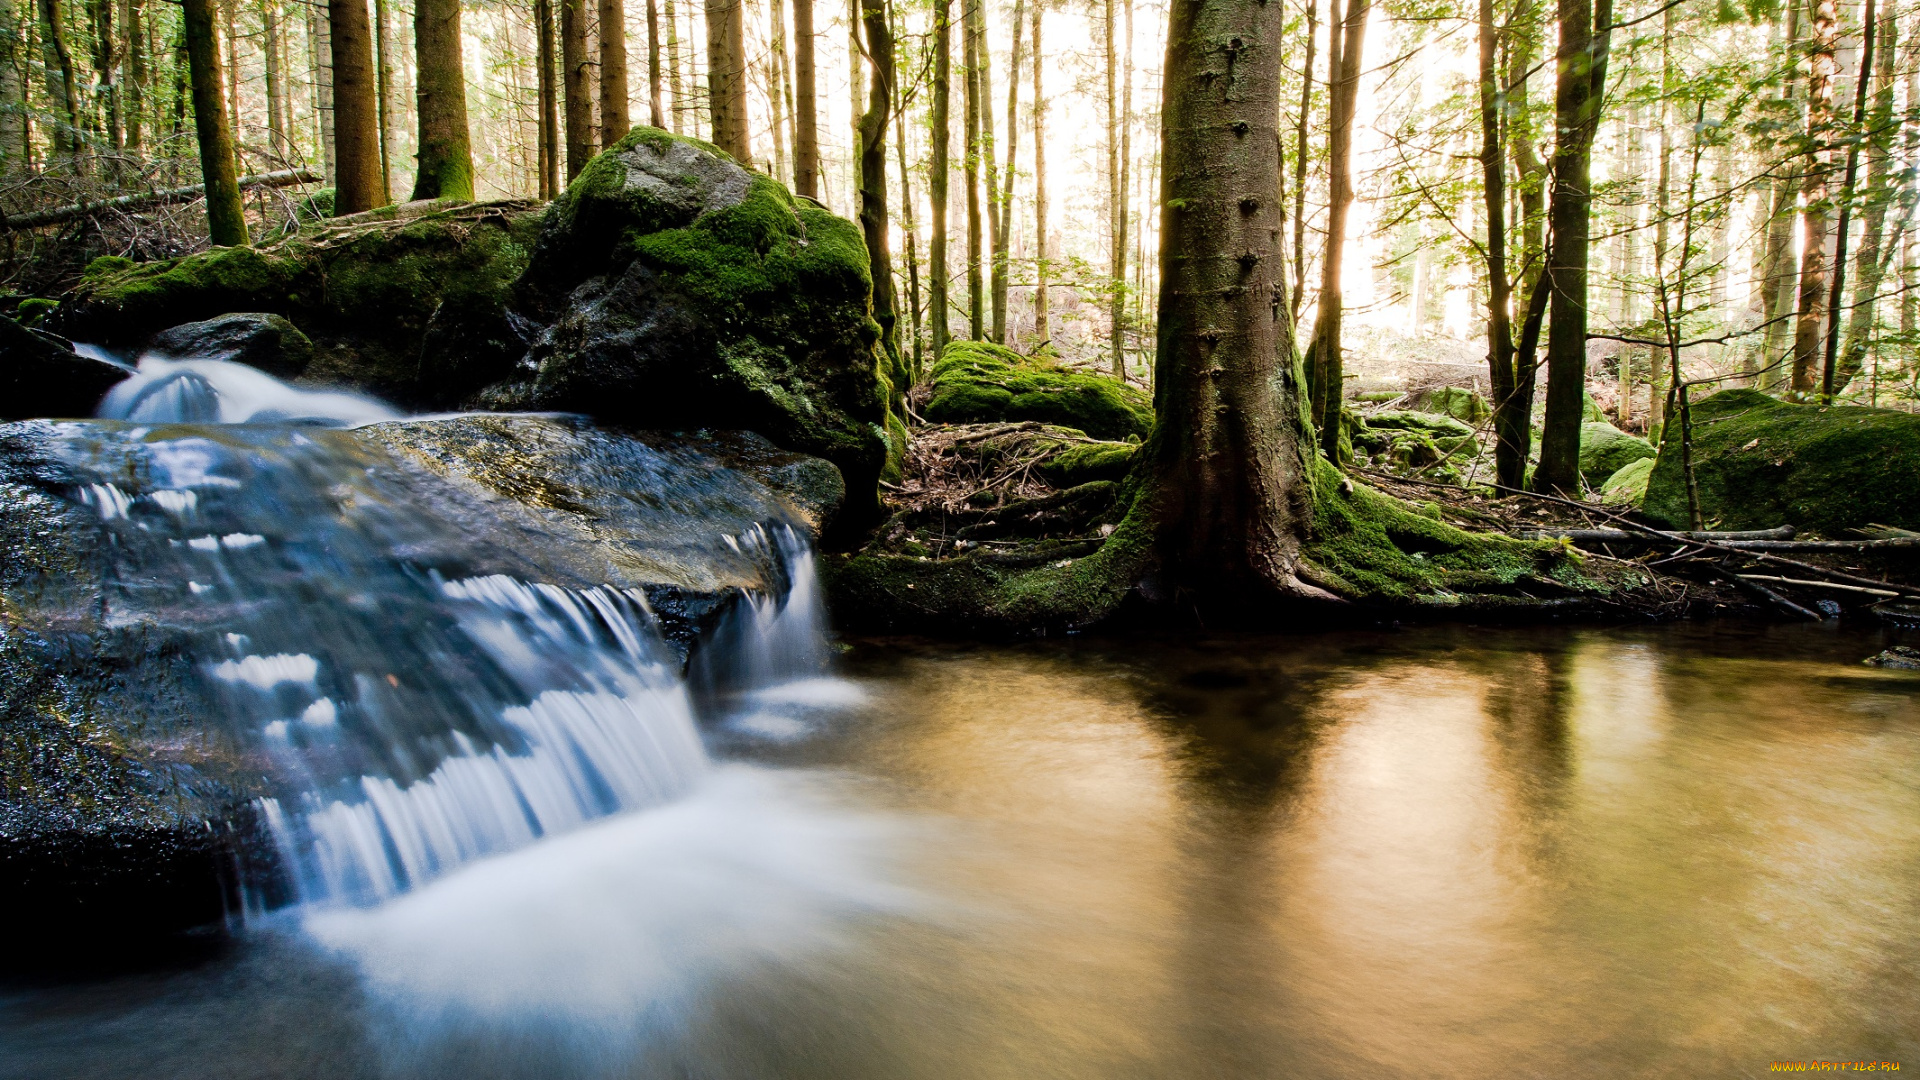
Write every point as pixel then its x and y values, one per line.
pixel 1761 462
pixel 677 288
pixel 976 382
pixel 41 376
pixel 406 302
pixel 1605 450
pixel 123 801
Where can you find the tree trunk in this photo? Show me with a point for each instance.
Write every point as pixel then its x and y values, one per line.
pixel 976 284
pixel 656 108
pixel 549 103
pixel 232 42
pixel 674 114
pixel 727 79
pixel 783 109
pixel 61 87
pixel 1816 232
pixel 939 170
pixel 1301 124
pixel 1510 430
pixel 446 157
pixel 383 86
pixel 1116 213
pixel 615 121
pixel 1778 289
pixel 355 110
pixel 16 151
pixel 1042 312
pixel 873 168
pixel 320 49
pixel 1837 294
pixel 106 59
pixel 134 22
pixel 1003 195
pixel 910 229
pixel 279 135
pixel 806 125
pixel 578 83
pixel 1881 126
pixel 1580 80
pixel 775 75
pixel 226 217
pixel 1530 173
pixel 1342 98
pixel 1227 464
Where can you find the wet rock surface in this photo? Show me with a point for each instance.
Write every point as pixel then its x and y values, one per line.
pixel 258 339
pixel 41 376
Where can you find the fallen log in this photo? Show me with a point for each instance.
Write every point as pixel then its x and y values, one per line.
pixel 1622 536
pixel 141 200
pixel 1833 585
pixel 1895 544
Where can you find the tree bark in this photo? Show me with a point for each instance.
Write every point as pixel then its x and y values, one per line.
pixel 106 59
pixel 1042 312
pixel 134 20
pixel 383 86
pixel 1862 319
pixel 782 95
pixel 1816 231
pixel 226 217
pixel 549 102
pixel 320 42
pixel 446 156
pixel 1300 165
pixel 66 136
pixel 1777 296
pixel 1116 213
pixel 873 168
pixel 775 75
pixel 908 227
pixel 1227 464
pixel 970 171
pixel 1003 194
pixel 16 149
pixel 1580 79
pixel 1510 430
pixel 656 108
pixel 727 79
pixel 1862 80
pixel 615 120
pixel 1343 96
pixel 939 170
pixel 806 121
pixel 577 79
pixel 279 137
pixel 679 107
pixel 355 110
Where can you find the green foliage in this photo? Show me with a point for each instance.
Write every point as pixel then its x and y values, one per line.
pixel 1628 486
pixel 976 382
pixel 1761 462
pixel 1085 463
pixel 33 309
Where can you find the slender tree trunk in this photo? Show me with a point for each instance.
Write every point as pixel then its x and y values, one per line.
pixel 656 108
pixel 1870 273
pixel 1003 195
pixel 1816 202
pixel 674 87
pixel 873 168
pixel 976 285
pixel 549 103
pixel 1663 211
pixel 355 110
pixel 320 30
pixel 1042 313
pixel 232 40
pixel 775 76
pixel 1510 448
pixel 783 107
pixel 1116 213
pixel 105 60
pixel 1778 290
pixel 940 169
pixel 578 82
pixel 1530 173
pixel 908 225
pixel 16 152
pixel 1342 99
pixel 727 79
pixel 226 217
pixel 615 121
pixel 134 20
pixel 1119 317
pixel 67 138
pixel 383 86
pixel 1580 81
pixel 806 126
pixel 1862 80
pixel 1227 464
pixel 446 157
pixel 279 135
pixel 1303 121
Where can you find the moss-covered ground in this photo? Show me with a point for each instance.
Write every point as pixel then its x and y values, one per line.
pixel 977 382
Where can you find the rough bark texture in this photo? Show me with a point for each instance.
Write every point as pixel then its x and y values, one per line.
pixel 873 167
pixel 359 185
pixel 1344 64
pixel 614 119
pixel 61 86
pixel 976 283
pixel 1816 215
pixel 579 86
pixel 1510 452
pixel 806 121
pixel 549 102
pixel 1116 211
pixel 1228 461
pixel 940 168
pixel 727 77
pixel 984 139
pixel 446 156
pixel 1837 294
pixel 383 63
pixel 1581 74
pixel 1870 268
pixel 1777 290
pixel 1003 194
pixel 1042 315
pixel 226 218
pixel 656 107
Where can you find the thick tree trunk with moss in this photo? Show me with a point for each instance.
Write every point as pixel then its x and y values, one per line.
pixel 359 185
pixel 446 155
pixel 226 217
pixel 873 166
pixel 727 77
pixel 1581 78
pixel 63 89
pixel 577 80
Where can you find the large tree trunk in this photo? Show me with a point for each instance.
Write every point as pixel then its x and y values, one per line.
pixel 383 86
pixel 1227 465
pixel 1330 377
pixel 940 169
pixel 976 283
pixel 1042 313
pixel 1869 273
pixel 873 167
pixel 1837 294
pixel 549 102
pixel 727 78
pixel 356 114
pixel 226 217
pixel 614 119
pixel 1581 77
pixel 106 59
pixel 1816 226
pixel 806 125
pixel 1003 194
pixel 656 108
pixel 446 157
pixel 578 80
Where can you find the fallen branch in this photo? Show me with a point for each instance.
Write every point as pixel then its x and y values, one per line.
pixel 143 199
pixel 1622 536
pixel 1906 543
pixel 1741 582
pixel 1889 593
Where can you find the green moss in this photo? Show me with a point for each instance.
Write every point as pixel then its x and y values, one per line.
pixel 33 309
pixel 975 382
pixel 1761 462
pixel 897 442
pixel 105 266
pixel 1605 450
pixel 1084 463
pixel 1628 486
pixel 1460 403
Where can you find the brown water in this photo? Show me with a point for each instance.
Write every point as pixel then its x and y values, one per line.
pixel 1450 852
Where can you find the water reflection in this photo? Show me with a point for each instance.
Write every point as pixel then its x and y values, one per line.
pixel 1441 853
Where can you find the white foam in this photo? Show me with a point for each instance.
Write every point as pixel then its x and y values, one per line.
pixel 163 390
pixel 267 672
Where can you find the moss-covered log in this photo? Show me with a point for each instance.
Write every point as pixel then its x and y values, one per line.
pixel 976 382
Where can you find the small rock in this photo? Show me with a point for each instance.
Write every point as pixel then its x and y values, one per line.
pixel 41 378
pixel 257 339
pixel 1899 656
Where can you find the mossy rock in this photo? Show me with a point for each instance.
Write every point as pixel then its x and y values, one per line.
pixel 1761 462
pixel 1085 463
pixel 1433 425
pixel 1590 410
pixel 1628 486
pixel 1458 402
pixel 1410 439
pixel 976 382
pixel 1605 450
pixel 409 303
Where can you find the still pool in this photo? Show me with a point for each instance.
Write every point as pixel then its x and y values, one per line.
pixel 1689 851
